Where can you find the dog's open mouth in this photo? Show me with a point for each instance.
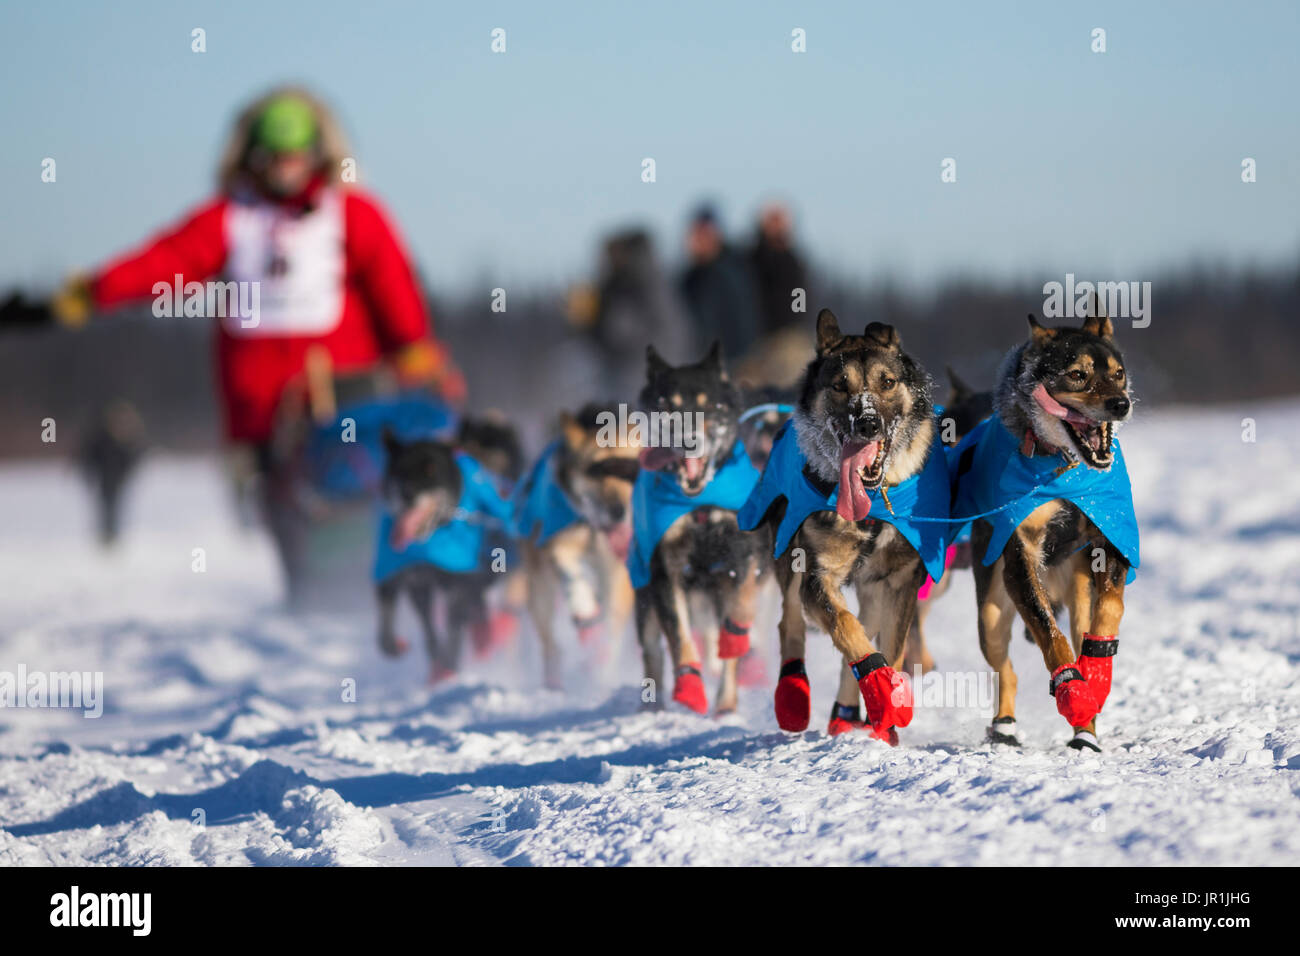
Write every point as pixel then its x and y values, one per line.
pixel 692 473
pixel 1093 440
pixel 862 469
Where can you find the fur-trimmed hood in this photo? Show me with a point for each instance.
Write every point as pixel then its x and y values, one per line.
pixel 232 171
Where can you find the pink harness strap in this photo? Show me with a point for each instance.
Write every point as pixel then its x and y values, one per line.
pixel 923 592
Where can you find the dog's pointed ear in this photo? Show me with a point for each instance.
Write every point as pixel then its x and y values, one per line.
pixel 960 390
pixel 715 361
pixel 828 330
pixel 886 336
pixel 572 431
pixel 1040 333
pixel 1098 323
pixel 654 362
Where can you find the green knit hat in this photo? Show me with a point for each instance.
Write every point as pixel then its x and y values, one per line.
pixel 287 124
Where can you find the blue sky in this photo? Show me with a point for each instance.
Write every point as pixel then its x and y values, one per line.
pixel 510 166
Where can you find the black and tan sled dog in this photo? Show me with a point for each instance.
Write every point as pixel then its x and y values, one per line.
pixel 845 479
pixel 688 555
pixel 573 519
pixel 1048 474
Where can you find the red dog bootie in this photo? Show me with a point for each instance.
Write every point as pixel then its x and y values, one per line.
pixel 688 689
pixel 1074 698
pixel 888 694
pixel 1096 661
pixel 845 717
pixel 733 639
pixel 793 699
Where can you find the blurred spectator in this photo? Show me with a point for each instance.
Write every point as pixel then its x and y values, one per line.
pixel 632 306
pixel 717 288
pixel 778 269
pixel 109 454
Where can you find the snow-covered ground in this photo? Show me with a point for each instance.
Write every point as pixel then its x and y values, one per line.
pixel 225 738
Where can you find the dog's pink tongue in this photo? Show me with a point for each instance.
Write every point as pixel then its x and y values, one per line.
pixel 620 539
pixel 853 503
pixel 1055 408
pixel 694 468
pixel 406 528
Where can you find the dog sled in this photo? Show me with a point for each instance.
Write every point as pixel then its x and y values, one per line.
pixel 324 478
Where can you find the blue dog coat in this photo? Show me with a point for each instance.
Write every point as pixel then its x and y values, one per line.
pixel 457 546
pixel 658 501
pixel 924 495
pixel 989 472
pixel 541 506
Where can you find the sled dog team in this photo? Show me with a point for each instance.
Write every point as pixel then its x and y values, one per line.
pixel 861 482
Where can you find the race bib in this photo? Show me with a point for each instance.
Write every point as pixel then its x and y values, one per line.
pixel 297 262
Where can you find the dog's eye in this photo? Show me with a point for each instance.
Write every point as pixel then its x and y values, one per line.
pixel 1077 376
pixel 1119 375
pixel 887 383
pixel 840 385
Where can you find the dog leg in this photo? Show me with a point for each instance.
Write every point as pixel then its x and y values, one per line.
pixel 793 698
pixel 996 615
pixel 846 711
pixel 619 598
pixel 1020 573
pixel 389 643
pixel 670 606
pixel 1099 644
pixel 917 651
pixel 1079 598
pixel 543 583
pixel 652 649
pixel 735 616
pixel 580 589
pixel 887 696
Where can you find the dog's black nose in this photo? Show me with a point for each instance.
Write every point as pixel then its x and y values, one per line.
pixel 866 426
pixel 616 512
pixel 1118 406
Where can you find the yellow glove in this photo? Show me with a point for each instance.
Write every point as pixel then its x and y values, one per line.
pixel 428 363
pixel 73 302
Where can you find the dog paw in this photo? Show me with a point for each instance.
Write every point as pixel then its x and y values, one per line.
pixel 1003 731
pixel 887 693
pixel 394 646
pixel 1096 663
pixel 845 717
pixel 1083 740
pixel 688 689
pixel 439 674
pixel 1075 700
pixel 793 699
pixel 733 640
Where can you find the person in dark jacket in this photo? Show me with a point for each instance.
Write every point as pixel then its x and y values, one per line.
pixel 718 289
pixel 108 456
pixel 778 269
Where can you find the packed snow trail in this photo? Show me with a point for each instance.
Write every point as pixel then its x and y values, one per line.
pixel 225 738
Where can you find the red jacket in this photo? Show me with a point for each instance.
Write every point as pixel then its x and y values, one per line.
pixel 361 298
